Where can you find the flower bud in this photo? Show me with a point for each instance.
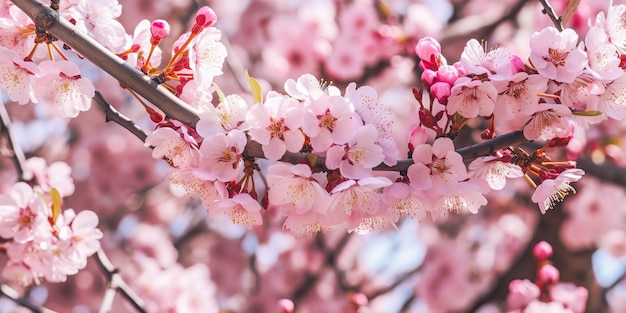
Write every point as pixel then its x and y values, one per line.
pixel 542 251
pixel 428 48
pixel 159 30
pixel 417 136
pixel 447 73
pixel 460 69
pixel 548 274
pixel 441 91
pixel 429 77
pixel 521 292
pixel 285 306
pixel 517 65
pixel 205 17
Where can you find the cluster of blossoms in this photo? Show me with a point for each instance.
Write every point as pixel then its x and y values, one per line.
pixel 342 138
pixel 547 293
pixel 40 239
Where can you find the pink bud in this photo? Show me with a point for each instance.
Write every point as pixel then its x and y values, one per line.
pixel 517 65
pixel 159 30
pixel 441 91
pixel 428 48
pixel 205 17
pixel 359 299
pixel 447 73
pixel 417 137
pixel 548 274
pixel 285 306
pixel 429 77
pixel 542 251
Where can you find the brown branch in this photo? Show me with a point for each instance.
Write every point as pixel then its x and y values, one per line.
pixel 548 10
pixel 116 284
pixel 113 115
pixel 16 151
pixel 8 292
pixel 607 172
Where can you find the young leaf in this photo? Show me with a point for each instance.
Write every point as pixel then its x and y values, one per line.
pixel 255 88
pixel 56 204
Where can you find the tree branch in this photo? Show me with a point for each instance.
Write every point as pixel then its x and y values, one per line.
pixel 113 115
pixel 18 155
pixel 8 292
pixel 548 10
pixel 116 284
pixel 49 20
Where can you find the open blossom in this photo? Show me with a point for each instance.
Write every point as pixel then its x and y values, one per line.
pixel 329 120
pixel 61 84
pixel 99 20
pixel 402 199
pixel 582 93
pixel 241 209
pixel 79 237
pixel 555 54
pixel 518 95
pixel 552 191
pixel 603 55
pixel 16 30
pixel 17 76
pixel 472 98
pixel 206 58
pixel 141 46
pixel 23 214
pixel 358 205
pixel 615 27
pixel 275 124
pixel 221 155
pixel 356 158
pixel 547 122
pixel 495 63
pixel 176 145
pixel 228 115
pixel 293 190
pixel 438 167
pixel 367 107
pixel 55 175
pixel 198 182
pixel 613 101
pixel 307 85
pixel 494 170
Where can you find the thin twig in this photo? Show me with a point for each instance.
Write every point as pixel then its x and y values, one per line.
pixel 113 115
pixel 10 293
pixel 548 10
pixel 117 284
pixel 17 153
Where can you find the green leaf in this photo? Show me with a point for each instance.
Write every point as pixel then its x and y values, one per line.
pixel 255 88
pixel 587 113
pixel 56 204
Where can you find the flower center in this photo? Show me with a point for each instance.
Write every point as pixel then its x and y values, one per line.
pixel 557 57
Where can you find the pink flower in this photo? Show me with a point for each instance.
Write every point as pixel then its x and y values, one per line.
pixel 206 17
pixel 17 76
pixel 615 26
pixel 467 196
pixel 23 214
pixel 241 209
pixel 555 55
pixel 472 98
pixel 496 63
pixel 356 158
pixel 603 55
pixel 79 237
pixel 211 191
pixel 571 296
pixel 16 31
pixel 519 95
pixel 521 293
pixel 275 124
pixel 55 175
pixel 293 190
pixel 537 306
pixel 221 155
pixel 141 45
pixel 613 101
pixel 63 86
pixel 176 145
pixel 329 120
pixel 159 30
pixel 308 86
pixel 494 170
pixel 99 20
pixel 444 167
pixel 207 55
pixel 228 115
pixel 402 199
pixel 552 191
pixel 358 205
pixel 547 122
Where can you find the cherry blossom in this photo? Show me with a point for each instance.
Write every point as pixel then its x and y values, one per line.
pixel 495 170
pixel 99 20
pixel 471 98
pixel 207 56
pixel 555 55
pixel 329 120
pixel 241 209
pixel 495 63
pixel 356 158
pixel 518 95
pixel 56 175
pixel 18 76
pixel 177 146
pixel 228 115
pixel 548 120
pixel 62 85
pixel 276 125
pixel 24 214
pixel 552 191
pixel 293 191
pixel 221 155
pixel 445 167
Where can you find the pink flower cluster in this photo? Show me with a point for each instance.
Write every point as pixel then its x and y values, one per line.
pixel 41 240
pixel 345 136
